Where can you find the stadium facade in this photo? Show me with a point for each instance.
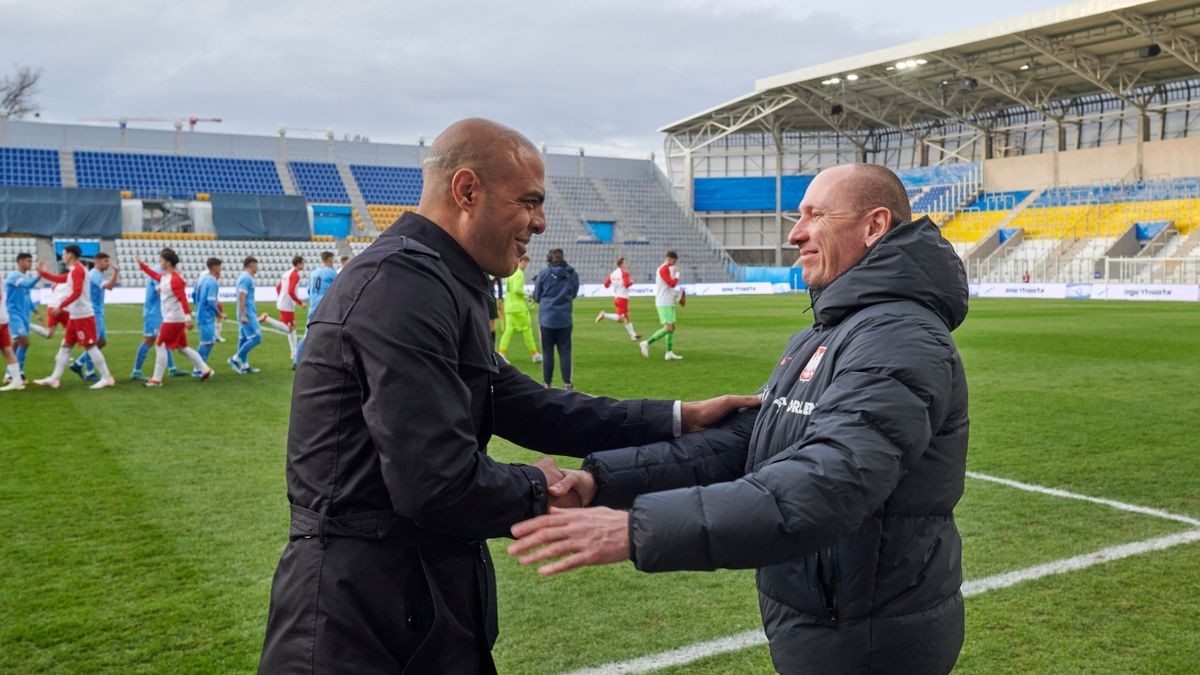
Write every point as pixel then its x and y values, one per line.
pixel 132 191
pixel 1061 145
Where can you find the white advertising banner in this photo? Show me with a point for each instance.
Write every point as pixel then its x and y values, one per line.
pixel 1168 292
pixel 1054 291
pixel 647 290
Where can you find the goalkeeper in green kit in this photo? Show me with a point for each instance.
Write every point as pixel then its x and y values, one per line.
pixel 516 313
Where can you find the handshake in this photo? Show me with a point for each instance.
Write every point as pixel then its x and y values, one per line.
pixel 567 488
pixel 573 536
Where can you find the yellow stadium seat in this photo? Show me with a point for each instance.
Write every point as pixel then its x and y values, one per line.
pixel 386 214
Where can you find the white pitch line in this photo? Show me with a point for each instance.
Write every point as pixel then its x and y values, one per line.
pixel 1055 492
pixel 753 638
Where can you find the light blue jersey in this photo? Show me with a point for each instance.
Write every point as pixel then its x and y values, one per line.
pixel 245 284
pixel 152 309
pixel 318 285
pixel 206 296
pixel 17 298
pixel 96 288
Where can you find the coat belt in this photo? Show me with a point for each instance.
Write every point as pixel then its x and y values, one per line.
pixel 384 527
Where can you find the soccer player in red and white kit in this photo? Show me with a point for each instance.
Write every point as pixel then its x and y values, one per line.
pixel 81 326
pixel 176 317
pixel 287 302
pixel 620 282
pixel 11 366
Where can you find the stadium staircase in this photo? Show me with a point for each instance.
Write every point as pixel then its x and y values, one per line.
pixel 66 169
pixel 364 223
pixel 285 178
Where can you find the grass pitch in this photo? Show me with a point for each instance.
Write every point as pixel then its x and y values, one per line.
pixel 142 526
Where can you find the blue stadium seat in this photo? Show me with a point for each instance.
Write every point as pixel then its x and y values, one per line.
pixel 29 167
pixel 319 182
pixel 388 184
pixel 178 177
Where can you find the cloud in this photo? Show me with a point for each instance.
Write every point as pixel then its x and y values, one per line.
pixel 602 73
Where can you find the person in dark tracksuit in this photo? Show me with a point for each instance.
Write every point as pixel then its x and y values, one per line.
pixel 554 290
pixel 392 494
pixel 841 489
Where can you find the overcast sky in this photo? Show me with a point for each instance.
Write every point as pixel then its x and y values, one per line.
pixel 605 74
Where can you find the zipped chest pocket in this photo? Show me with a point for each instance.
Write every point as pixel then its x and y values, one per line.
pixel 828 580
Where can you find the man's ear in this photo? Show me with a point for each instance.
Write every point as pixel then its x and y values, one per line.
pixel 464 188
pixel 879 222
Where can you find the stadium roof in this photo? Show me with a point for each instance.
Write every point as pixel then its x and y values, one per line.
pixel 1042 61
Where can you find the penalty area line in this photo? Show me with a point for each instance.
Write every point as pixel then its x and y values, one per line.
pixel 753 638
pixel 1055 492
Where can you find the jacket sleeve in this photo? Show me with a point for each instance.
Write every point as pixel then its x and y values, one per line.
pixel 714 455
pixel 560 422
pixel 417 409
pixel 891 388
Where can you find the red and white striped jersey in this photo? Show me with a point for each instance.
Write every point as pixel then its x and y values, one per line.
pixel 287 300
pixel 172 294
pixel 78 302
pixel 665 282
pixel 620 281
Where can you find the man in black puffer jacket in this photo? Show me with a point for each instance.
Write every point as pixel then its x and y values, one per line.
pixel 841 489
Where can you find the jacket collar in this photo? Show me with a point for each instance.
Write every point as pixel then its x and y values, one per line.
pixel 429 233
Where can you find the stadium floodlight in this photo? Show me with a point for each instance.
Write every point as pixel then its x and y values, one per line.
pixel 832 80
pixel 851 77
pixel 909 64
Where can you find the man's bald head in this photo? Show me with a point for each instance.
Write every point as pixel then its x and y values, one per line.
pixel 488 148
pixel 485 186
pixel 870 186
pixel 845 210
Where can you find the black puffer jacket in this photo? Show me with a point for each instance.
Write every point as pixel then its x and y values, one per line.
pixel 841 489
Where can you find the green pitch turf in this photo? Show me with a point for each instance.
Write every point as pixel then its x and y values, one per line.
pixel 142 526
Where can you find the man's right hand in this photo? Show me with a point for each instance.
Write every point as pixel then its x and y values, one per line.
pixel 580 481
pixel 245 319
pixel 562 498
pixel 699 415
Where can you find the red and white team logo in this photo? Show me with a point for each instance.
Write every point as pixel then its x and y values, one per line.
pixel 811 368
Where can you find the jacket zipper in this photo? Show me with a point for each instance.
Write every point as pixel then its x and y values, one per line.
pixel 831 604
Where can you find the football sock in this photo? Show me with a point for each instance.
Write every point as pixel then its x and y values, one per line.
pixel 21 356
pixel 611 317
pixel 671 341
pixel 658 335
pixel 629 329
pixel 98 360
pixel 143 350
pixel 60 362
pixel 193 356
pixel 205 350
pixel 160 361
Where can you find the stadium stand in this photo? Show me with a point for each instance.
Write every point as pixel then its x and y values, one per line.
pixel 319 182
pixel 29 167
pixel 400 185
pixel 10 247
pixel 175 176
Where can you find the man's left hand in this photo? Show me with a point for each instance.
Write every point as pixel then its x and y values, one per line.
pixel 703 414
pixel 576 537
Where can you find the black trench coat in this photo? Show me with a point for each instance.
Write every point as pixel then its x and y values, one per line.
pixel 391 490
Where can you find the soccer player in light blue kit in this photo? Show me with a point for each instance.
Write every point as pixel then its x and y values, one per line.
pixel 151 320
pixel 249 328
pixel 17 297
pixel 97 285
pixel 318 284
pixel 207 301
